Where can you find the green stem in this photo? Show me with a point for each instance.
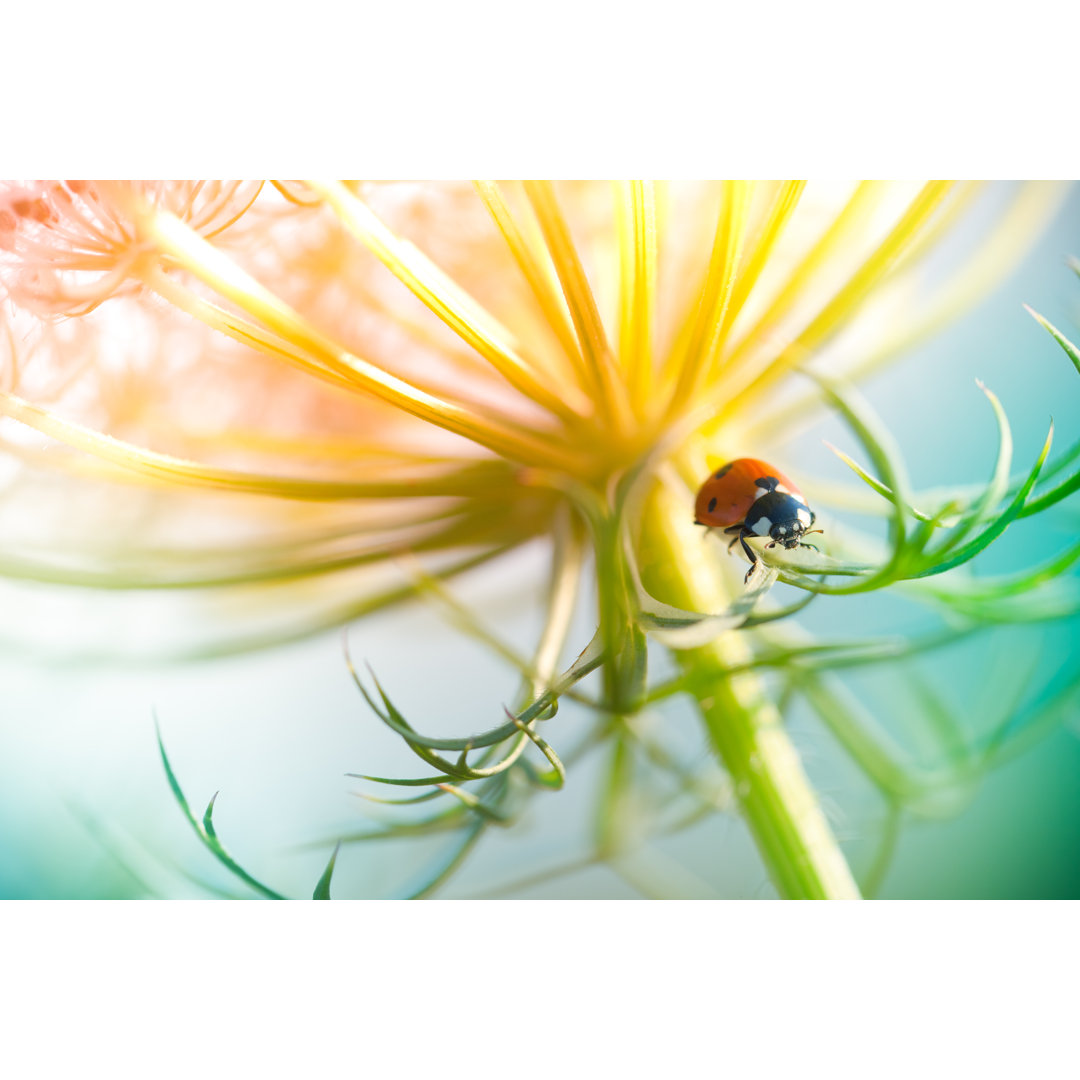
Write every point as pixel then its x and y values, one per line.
pixel 625 645
pixel 743 726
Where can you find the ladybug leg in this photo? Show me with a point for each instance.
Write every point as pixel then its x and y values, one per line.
pixel 749 554
pixel 812 547
pixel 737 530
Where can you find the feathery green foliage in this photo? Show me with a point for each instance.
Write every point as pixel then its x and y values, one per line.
pixel 484 779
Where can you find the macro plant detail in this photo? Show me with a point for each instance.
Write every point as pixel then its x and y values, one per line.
pixel 327 398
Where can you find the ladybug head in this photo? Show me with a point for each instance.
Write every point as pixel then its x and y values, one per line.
pixel 787 533
pixel 790 533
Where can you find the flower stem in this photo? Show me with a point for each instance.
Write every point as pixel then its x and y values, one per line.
pixel 743 726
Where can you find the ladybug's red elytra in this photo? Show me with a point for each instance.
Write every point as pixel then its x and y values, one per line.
pixel 749 497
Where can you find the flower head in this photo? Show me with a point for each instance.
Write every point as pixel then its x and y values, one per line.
pixel 73 243
pixel 357 374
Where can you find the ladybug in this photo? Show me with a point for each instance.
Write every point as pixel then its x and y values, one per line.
pixel 749 497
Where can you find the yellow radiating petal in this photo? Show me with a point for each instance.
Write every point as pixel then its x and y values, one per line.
pixel 787 199
pixel 254 563
pixel 262 340
pixel 844 227
pixel 696 352
pixel 637 287
pixel 1014 234
pixel 471 366
pixel 315 445
pixel 537 272
pixel 847 300
pixel 189 250
pixel 240 329
pixel 447 300
pixel 483 476
pixel 609 391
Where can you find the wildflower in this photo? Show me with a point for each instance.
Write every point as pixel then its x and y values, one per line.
pixel 75 245
pixel 355 375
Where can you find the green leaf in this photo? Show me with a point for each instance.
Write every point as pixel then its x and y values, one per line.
pixel 886 458
pixel 415 781
pixel 1049 498
pixel 989 535
pixel 1061 601
pixel 871 882
pixel 869 745
pixel 984 590
pixel 469 800
pixel 208 817
pixel 1071 350
pixel 205 832
pixel 845 654
pixel 322 889
pixel 174 784
pixel 214 845
pixel 461 770
pixel 1019 731
pixel 427 796
pixel 589 659
pixel 451 863
pixel 557 777
pixel 781 613
pixel 1072 484
pixel 873 482
pixel 448 820
pixel 997 487
pixel 944 727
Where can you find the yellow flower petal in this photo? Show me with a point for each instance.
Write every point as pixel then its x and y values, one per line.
pixel 637 287
pixel 846 301
pixel 688 364
pixel 413 481
pixel 213 267
pixel 608 389
pixel 537 272
pixel 446 299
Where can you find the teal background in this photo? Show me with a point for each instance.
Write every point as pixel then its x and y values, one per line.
pixel 276 731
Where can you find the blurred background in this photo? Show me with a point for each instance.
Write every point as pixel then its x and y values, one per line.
pixel 85 810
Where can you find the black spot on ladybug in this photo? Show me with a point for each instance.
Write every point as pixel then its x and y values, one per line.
pixel 723 470
pixel 712 505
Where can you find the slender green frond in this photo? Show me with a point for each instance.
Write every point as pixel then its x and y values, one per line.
pixel 205 831
pixel 450 864
pixel 1000 524
pixel 322 889
pixel 1071 351
pixel 874 483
